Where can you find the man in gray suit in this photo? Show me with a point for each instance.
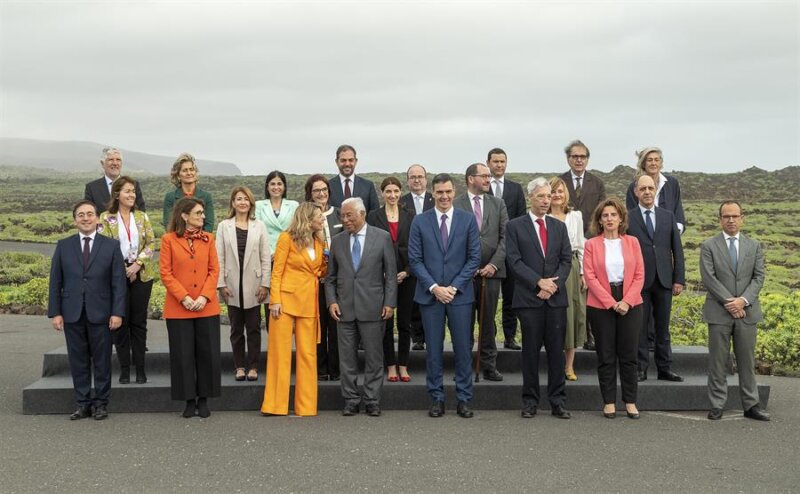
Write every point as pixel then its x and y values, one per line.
pixel 491 217
pixel 361 290
pixel 732 270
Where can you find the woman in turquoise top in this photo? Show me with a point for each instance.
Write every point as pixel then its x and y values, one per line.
pixel 276 210
pixel 184 177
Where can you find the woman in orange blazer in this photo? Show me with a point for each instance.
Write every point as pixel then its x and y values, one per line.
pixel 189 272
pixel 298 264
pixel 614 272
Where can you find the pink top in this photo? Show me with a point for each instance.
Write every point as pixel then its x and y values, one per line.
pixel 594 270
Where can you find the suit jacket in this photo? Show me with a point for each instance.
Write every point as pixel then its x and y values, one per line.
pixel 492 231
pixel 109 226
pixel 185 273
pixel 101 288
pixel 530 264
pixel 362 294
pixel 722 283
pixel 514 198
pixel 431 264
pixel 295 277
pixel 378 219
pixel 663 254
pixel 594 271
pixel 669 198
pixel 408 201
pixel 257 261
pixel 593 191
pixel 97 192
pixel 174 196
pixel 275 226
pixel 362 188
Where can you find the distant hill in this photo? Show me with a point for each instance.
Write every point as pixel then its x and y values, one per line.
pixel 76 156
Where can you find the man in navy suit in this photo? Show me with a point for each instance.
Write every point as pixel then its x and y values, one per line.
pixel 444 252
pixel 98 191
pixel 660 240
pixel 346 184
pixel 87 299
pixel 539 253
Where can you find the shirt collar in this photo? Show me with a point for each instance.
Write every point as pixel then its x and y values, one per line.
pixel 91 236
pixel 727 237
pixel 643 209
pixel 473 196
pixel 439 214
pixel 362 232
pixel 534 218
pixel 501 179
pixel 582 177
pixel 351 177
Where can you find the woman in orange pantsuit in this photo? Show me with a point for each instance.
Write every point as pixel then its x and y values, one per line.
pixel 298 264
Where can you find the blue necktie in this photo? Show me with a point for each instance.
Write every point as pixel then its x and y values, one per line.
pixel 356 253
pixel 651 231
pixel 733 253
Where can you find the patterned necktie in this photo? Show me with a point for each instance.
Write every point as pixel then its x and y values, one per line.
pixel 478 212
pixel 356 252
pixel 648 222
pixel 86 241
pixel 577 186
pixel 443 232
pixel 498 189
pixel 733 253
pixel 542 235
pixel 348 193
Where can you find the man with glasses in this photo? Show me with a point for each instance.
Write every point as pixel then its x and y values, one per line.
pixel 98 192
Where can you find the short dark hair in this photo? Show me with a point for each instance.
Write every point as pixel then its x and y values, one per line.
pixel 82 203
pixel 345 147
pixel 442 178
pixel 729 202
pixel 495 151
pixel 184 205
pixel 270 176
pixel 318 177
pixel 472 170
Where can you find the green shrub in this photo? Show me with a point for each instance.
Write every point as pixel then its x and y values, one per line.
pixel 34 293
pixel 20 267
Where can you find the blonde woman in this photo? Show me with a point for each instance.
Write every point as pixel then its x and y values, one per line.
pixel 184 176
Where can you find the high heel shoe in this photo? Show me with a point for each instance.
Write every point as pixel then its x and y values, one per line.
pixel 632 415
pixel 405 379
pixel 393 379
pixel 570 375
pixel 610 415
pixel 240 374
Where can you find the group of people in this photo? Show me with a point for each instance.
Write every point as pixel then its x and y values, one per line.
pixel 574 267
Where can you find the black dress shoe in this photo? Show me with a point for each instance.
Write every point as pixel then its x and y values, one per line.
pixel 418 346
pixel 464 411
pixel 437 409
pixel 322 377
pixel 202 408
pixel 528 411
pixel 492 375
pixel 350 409
pixel 641 375
pixel 125 375
pixel 100 412
pixel 560 412
pixel 669 376
pixel 190 410
pixel 81 413
pixel 511 344
pixel 715 414
pixel 756 413
pixel 334 377
pixel 589 345
pixel 141 377
pixel 373 410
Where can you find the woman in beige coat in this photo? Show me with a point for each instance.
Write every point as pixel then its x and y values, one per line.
pixel 244 261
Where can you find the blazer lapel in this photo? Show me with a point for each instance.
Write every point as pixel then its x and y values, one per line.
pixel 97 245
pixel 437 233
pixel 534 236
pixel 722 246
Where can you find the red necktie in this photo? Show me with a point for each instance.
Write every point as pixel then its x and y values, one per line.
pixel 542 235
pixel 347 192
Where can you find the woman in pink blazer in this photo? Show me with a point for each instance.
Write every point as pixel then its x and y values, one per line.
pixel 614 272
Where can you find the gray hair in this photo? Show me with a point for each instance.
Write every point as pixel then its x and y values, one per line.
pixel 642 155
pixel 357 203
pixel 106 151
pixel 537 183
pixel 576 142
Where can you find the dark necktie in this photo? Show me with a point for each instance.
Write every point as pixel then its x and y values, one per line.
pixel 542 235
pixel 733 253
pixel 348 193
pixel 86 241
pixel 443 232
pixel 356 252
pixel 648 223
pixel 577 186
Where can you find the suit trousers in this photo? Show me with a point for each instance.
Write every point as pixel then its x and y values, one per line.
pixel 241 320
pixel 279 366
pixel 657 301
pixel 543 325
pixel 488 335
pixel 509 318
pixel 370 334
pixel 405 299
pixel 415 326
pixel 616 340
pixel 458 320
pixel 194 357
pixel 719 345
pixel 132 335
pixel 328 346
pixel 88 350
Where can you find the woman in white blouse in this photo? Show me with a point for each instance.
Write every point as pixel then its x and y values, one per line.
pixel 576 285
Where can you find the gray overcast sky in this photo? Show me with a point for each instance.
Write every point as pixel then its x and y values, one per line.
pixel 281 84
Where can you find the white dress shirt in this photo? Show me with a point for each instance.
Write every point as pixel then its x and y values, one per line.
pixel 362 236
pixel 352 178
pixel 652 210
pixel 81 236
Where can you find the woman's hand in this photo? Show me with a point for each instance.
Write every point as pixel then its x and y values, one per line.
pixel 275 310
pixel 132 270
pixel 199 304
pixel 187 302
pixel 262 294
pixel 622 307
pixel 401 276
pixel 224 293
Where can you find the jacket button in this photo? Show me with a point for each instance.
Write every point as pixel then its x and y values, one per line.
pixel 195 285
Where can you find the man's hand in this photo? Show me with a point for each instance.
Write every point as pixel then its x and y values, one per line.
pixel 677 288
pixel 488 271
pixel 335 312
pixel 548 285
pixel 58 323
pixel 261 294
pixel 444 294
pixel 114 322
pixel 387 313
pixel 735 305
pixel 544 295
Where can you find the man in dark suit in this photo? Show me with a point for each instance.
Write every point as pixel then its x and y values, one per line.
pixel 660 241
pixel 418 200
pixel 514 198
pixel 361 290
pixel 539 252
pixel 98 192
pixel 444 252
pixel 86 300
pixel 491 218
pixel 732 270
pixel 346 184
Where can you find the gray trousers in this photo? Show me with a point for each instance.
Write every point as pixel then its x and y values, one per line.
pixel 744 344
pixel 371 336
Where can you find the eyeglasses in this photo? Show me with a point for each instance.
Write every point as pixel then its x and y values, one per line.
pixel 319 191
pixel 485 175
pixel 198 213
pixel 90 214
pixel 417 177
pixel 578 157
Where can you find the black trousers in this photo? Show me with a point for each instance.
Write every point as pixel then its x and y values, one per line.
pixel 488 345
pixel 131 337
pixel 249 319
pixel 509 318
pixel 194 357
pixel 546 325
pixel 405 302
pixel 616 339
pixel 89 351
pixel 416 328
pixel 658 302
pixel 328 346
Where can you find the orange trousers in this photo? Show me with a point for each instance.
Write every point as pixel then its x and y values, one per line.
pixel 279 366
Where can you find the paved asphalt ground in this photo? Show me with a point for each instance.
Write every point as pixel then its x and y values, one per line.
pixel 402 451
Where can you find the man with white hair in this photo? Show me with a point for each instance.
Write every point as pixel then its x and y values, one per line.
pixel 99 191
